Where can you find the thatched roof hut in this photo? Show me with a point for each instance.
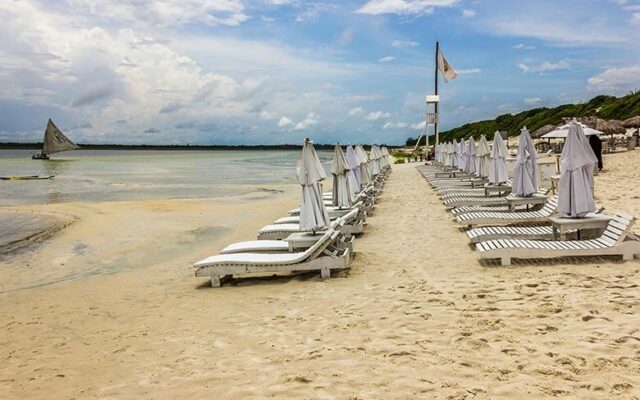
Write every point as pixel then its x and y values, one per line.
pixel 541 131
pixel 607 126
pixel 633 122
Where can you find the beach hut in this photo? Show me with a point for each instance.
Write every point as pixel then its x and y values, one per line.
pixel 525 176
pixel 498 166
pixel 575 190
pixel 310 174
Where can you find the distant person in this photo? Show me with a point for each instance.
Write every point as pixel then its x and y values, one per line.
pixel 596 146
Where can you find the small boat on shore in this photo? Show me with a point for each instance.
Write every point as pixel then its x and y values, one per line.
pixel 25 177
pixel 54 142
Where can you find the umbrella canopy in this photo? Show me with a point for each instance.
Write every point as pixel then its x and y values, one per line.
pixel 310 173
pixel 543 130
pixel 342 195
pixel 575 190
pixel 365 178
pixel 633 122
pixel 470 165
pixel 525 176
pixel 498 166
pixel 563 130
pixel 484 157
pixel 353 175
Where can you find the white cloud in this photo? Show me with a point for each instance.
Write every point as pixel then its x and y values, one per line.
pixel 386 59
pixel 549 66
pixel 468 13
pixel 522 46
pixel 468 71
pixel 266 115
pixel 394 125
pixel 635 18
pixel 167 12
pixel 555 31
pixel 419 125
pixel 356 112
pixel 310 120
pixel 404 43
pixel 545 66
pixel 376 115
pixel 264 18
pixel 284 122
pixel 403 7
pixel 616 80
pixel 532 100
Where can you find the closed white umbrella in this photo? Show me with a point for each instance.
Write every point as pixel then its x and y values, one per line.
pixel 575 190
pixel 525 176
pixel 484 157
pixel 365 177
pixel 353 175
pixel 470 165
pixel 310 173
pixel 454 153
pixel 342 196
pixel 498 166
pixel 462 154
pixel 563 130
pixel 385 155
pixel 373 161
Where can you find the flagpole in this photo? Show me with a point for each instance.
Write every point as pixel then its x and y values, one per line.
pixel 435 125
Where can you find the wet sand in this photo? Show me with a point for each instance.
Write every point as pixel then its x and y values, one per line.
pixel 417 316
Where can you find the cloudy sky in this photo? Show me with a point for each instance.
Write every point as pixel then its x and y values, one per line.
pixel 275 71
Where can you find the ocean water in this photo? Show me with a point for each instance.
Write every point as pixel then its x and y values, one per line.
pixel 103 175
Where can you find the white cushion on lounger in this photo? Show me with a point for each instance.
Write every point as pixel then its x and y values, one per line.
pixel 256 246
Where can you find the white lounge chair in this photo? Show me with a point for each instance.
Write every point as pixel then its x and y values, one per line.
pixel 480 200
pixel 542 232
pixel 278 246
pixel 484 218
pixel 616 240
pixel 320 257
pixel 352 226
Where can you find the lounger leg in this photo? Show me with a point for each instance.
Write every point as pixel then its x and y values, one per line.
pixel 505 260
pixel 325 273
pixel 627 256
pixel 215 281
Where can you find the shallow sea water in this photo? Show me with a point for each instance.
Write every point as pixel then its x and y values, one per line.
pixel 99 175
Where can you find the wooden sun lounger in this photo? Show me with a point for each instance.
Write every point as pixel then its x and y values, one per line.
pixel 469 209
pixel 484 218
pixel 616 240
pixel 543 232
pixel 353 224
pixel 278 246
pixel 475 200
pixel 321 257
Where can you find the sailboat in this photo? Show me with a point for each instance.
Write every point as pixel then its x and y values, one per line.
pixel 54 142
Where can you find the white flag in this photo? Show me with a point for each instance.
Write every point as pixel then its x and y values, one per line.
pixel 447 71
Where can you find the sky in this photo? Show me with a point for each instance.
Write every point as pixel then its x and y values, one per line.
pixel 277 71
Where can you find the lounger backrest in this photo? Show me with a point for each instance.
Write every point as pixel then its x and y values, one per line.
pixel 349 217
pixel 314 251
pixel 619 227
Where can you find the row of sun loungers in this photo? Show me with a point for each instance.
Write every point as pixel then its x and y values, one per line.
pixel 523 232
pixel 271 254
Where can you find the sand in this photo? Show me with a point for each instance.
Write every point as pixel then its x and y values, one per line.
pixel 417 316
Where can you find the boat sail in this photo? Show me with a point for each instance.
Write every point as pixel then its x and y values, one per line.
pixel 54 142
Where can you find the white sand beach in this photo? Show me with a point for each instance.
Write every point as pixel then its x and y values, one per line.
pixel 417 315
